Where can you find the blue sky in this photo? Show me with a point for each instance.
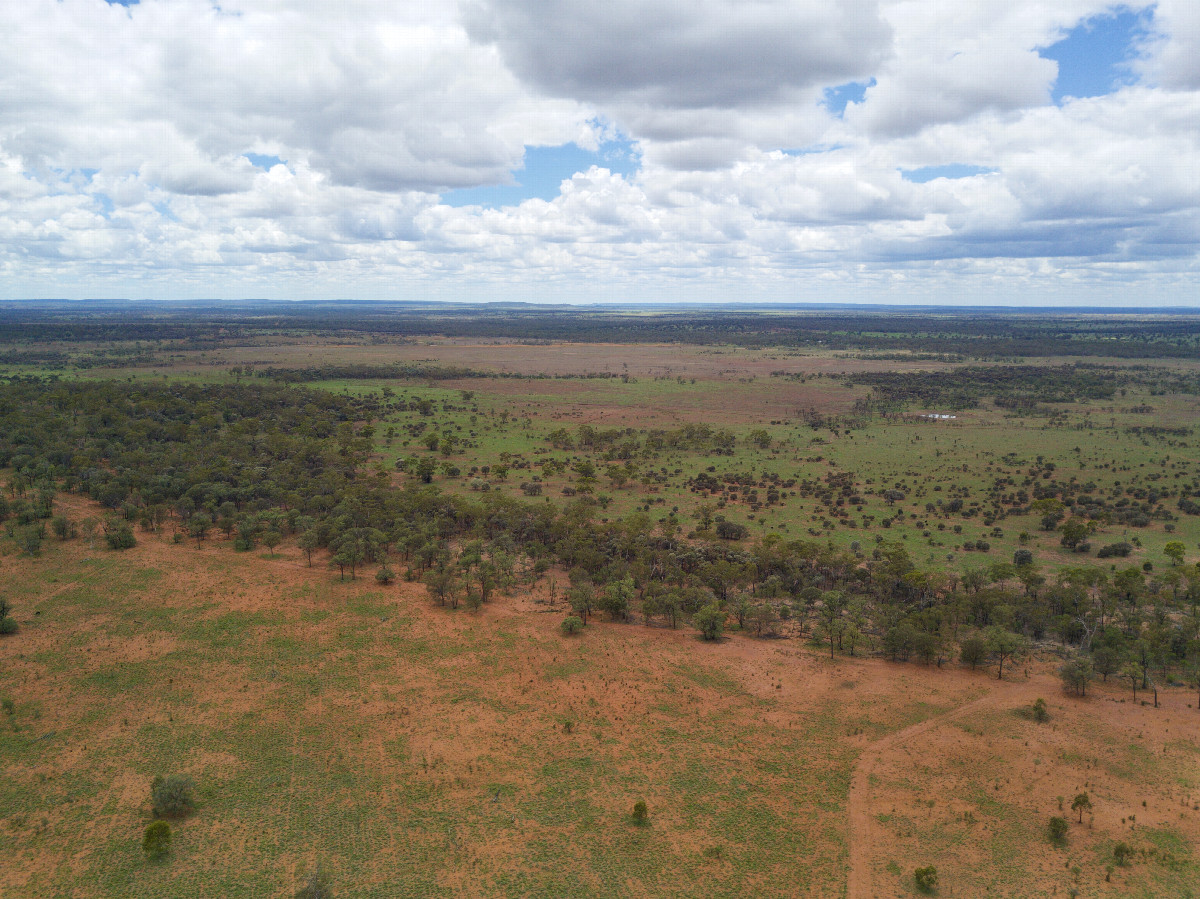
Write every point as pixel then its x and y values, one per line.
pixel 870 150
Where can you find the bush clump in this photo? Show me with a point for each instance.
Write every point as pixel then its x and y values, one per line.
pixel 926 878
pixel 1036 712
pixel 572 624
pixel 119 536
pixel 156 841
pixel 172 796
pixel 1057 831
pixel 640 813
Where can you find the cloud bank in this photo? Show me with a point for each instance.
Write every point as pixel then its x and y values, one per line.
pixel 292 149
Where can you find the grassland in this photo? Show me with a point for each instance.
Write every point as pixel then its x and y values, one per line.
pixel 410 750
pixel 413 751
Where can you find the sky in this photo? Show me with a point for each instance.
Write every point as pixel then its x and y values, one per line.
pixel 1011 152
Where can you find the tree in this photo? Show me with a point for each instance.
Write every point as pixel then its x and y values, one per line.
pixel 581 598
pixel 1174 550
pixel 384 575
pixel 119 535
pixel 616 597
pixel 1075 673
pixel 308 542
pixel 973 650
pixel 1106 660
pixel 156 841
pixel 1081 803
pixel 63 529
pixel 1132 673
pixel 640 814
pixel 710 621
pixel 572 624
pixel 172 796
pixel 441 582
pixel 833 604
pixel 1004 644
pixel 1074 531
pixel 198 526
pixel 1122 853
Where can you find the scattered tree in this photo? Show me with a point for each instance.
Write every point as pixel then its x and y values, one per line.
pixel 1081 803
pixel 172 796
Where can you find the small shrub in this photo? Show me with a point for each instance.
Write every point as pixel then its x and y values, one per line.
pixel 156 841
pixel 1123 853
pixel 1057 831
pixel 926 878
pixel 1036 712
pixel 384 576
pixel 640 814
pixel 8 625
pixel 10 707
pixel 572 624
pixel 171 796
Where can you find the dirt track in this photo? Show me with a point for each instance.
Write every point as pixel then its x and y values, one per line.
pixel 859 876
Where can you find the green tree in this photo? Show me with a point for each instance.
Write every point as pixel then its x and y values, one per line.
pixel 63 529
pixel 1074 531
pixel 1076 672
pixel 1004 644
pixel 581 598
pixel 973 650
pixel 308 542
pixel 1081 803
pixel 616 597
pixel 172 796
pixel 1174 551
pixel 198 526
pixel 833 606
pixel 710 621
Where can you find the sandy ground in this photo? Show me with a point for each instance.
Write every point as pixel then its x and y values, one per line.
pixel 922 734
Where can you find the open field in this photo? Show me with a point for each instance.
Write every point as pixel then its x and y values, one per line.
pixel 410 750
pixel 430 611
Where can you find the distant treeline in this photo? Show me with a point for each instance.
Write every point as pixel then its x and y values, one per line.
pixel 927 333
pixel 1014 386
pixel 398 371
